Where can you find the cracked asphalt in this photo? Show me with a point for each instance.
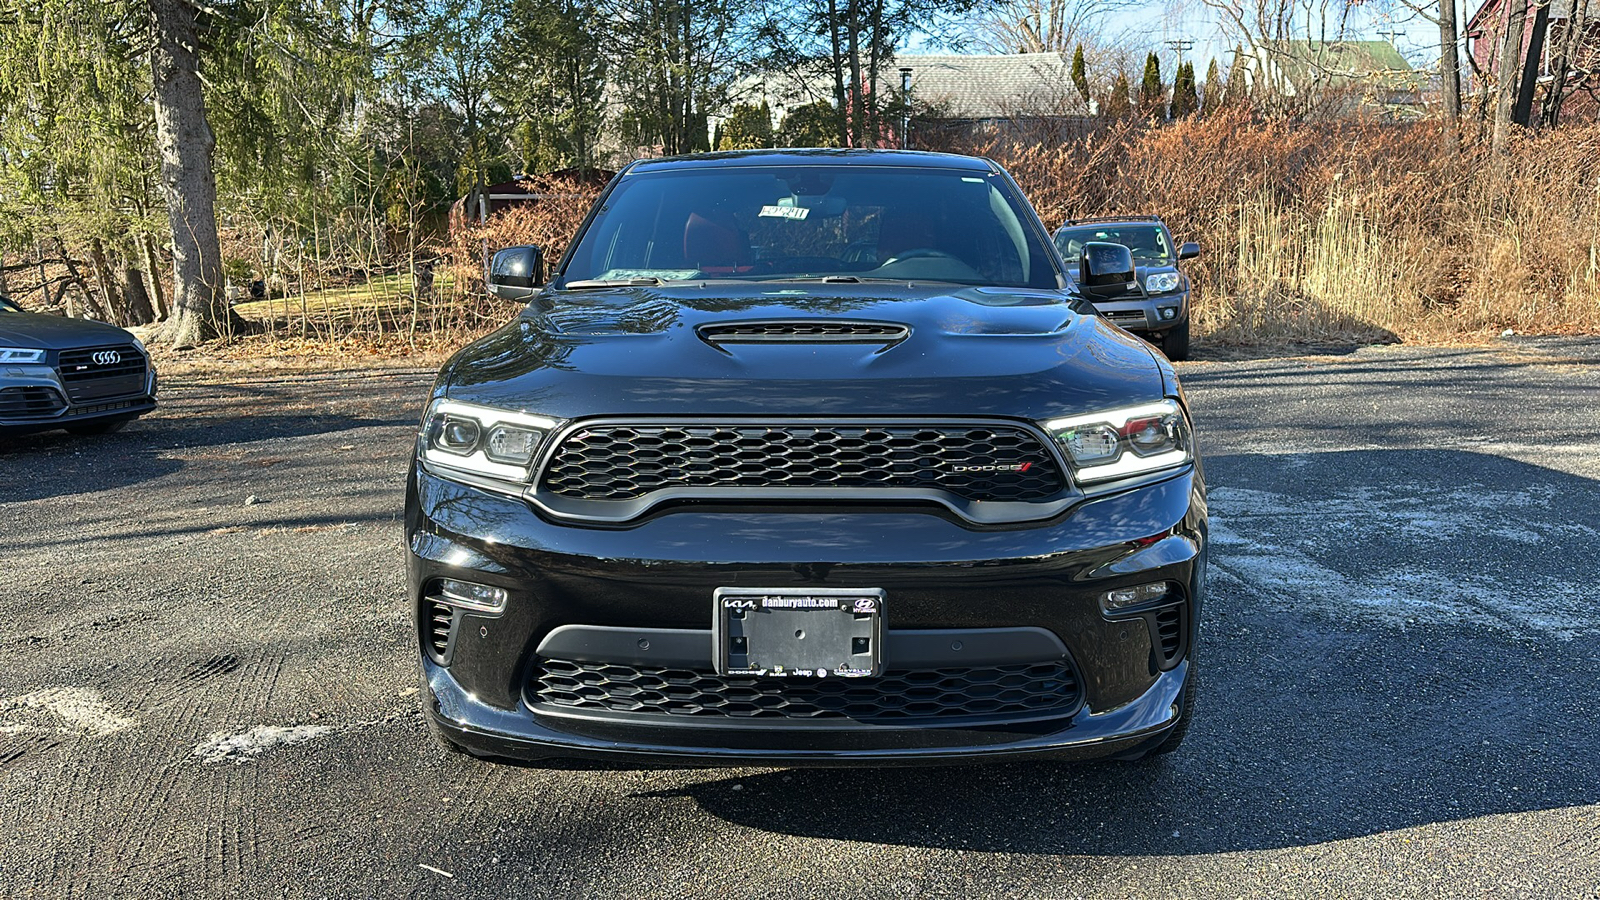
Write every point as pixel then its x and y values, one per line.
pixel 208 687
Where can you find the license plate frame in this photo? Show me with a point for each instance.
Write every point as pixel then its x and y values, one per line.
pixel 798 632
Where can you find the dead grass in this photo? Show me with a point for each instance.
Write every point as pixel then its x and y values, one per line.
pixel 1350 230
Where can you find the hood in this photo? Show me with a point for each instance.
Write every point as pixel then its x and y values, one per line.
pixel 651 351
pixel 38 330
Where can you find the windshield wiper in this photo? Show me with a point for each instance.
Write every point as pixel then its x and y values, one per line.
pixel 595 283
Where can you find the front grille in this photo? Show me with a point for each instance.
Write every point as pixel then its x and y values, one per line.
pixel 1009 693
pixel 30 403
pixel 96 372
pixel 625 462
pixel 1169 634
pixel 804 332
pixel 436 622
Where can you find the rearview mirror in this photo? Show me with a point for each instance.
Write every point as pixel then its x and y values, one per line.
pixel 1105 271
pixel 516 273
pixel 1189 250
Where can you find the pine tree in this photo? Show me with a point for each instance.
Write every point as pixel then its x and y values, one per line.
pixel 1211 100
pixel 1080 75
pixel 1185 100
pixel 1237 93
pixel 1118 105
pixel 1152 95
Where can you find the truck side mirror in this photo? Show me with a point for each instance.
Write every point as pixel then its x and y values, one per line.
pixel 516 273
pixel 1105 271
pixel 1189 250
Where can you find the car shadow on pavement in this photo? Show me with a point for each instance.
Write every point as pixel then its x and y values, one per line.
pixel 56 463
pixel 1393 638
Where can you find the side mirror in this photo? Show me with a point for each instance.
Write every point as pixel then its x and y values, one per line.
pixel 1189 250
pixel 516 273
pixel 1105 271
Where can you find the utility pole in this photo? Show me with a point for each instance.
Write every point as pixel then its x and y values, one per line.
pixel 1179 45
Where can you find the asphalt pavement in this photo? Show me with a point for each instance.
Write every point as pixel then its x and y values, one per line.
pixel 208 686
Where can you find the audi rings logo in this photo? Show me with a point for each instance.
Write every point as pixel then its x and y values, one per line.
pixel 107 358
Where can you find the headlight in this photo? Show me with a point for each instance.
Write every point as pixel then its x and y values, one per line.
pixel 140 344
pixel 1161 282
pixel 1135 440
pixel 491 447
pixel 19 355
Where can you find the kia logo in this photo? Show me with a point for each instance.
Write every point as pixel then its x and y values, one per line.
pixel 107 358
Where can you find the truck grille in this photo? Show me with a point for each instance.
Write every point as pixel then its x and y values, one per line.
pixel 96 372
pixel 1008 693
pixel 30 403
pixel 625 462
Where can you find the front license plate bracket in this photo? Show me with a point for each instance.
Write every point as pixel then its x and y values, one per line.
pixel 801 632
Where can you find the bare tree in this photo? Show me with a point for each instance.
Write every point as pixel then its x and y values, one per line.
pixel 1508 70
pixel 1040 26
pixel 1566 43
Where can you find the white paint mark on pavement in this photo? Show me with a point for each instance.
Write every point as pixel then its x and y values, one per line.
pixel 66 710
pixel 256 741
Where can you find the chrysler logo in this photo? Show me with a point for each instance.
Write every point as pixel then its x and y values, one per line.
pixel 107 358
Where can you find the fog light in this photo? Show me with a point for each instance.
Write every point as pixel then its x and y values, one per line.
pixel 1123 598
pixel 479 597
pixel 1168 313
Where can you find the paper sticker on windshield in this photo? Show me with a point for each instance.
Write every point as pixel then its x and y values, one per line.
pixel 785 212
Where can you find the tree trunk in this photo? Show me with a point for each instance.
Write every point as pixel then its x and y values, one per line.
pixel 1449 65
pixel 1522 114
pixel 5 290
pixel 136 299
pixel 158 300
pixel 110 293
pixel 1507 71
pixel 185 142
pixel 1561 62
pixel 839 95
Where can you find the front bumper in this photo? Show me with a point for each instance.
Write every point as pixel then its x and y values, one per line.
pixel 1142 314
pixel 946 583
pixel 34 398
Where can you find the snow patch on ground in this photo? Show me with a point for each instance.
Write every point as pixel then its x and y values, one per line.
pixel 65 710
pixel 1398 559
pixel 256 741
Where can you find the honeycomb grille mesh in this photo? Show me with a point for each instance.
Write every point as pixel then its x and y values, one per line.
pixel 1011 692
pixel 625 462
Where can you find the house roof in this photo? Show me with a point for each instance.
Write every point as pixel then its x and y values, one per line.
pixel 1342 64
pixel 984 87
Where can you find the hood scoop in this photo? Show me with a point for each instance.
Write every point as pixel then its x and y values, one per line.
pixel 803 331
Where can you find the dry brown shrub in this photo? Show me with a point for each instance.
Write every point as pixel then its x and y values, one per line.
pixel 1353 229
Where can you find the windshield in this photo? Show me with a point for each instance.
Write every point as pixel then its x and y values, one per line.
pixel 814 221
pixel 1148 243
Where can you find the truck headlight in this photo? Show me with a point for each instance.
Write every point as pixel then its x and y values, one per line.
pixel 1118 443
pixel 482 445
pixel 1162 282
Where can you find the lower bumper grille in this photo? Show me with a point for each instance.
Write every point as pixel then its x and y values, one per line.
pixel 945 696
pixel 30 403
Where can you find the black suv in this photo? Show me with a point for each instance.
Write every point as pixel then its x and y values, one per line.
pixel 1156 303
pixel 85 376
pixel 807 457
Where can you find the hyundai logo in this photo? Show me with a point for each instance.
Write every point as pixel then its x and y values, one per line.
pixel 107 358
